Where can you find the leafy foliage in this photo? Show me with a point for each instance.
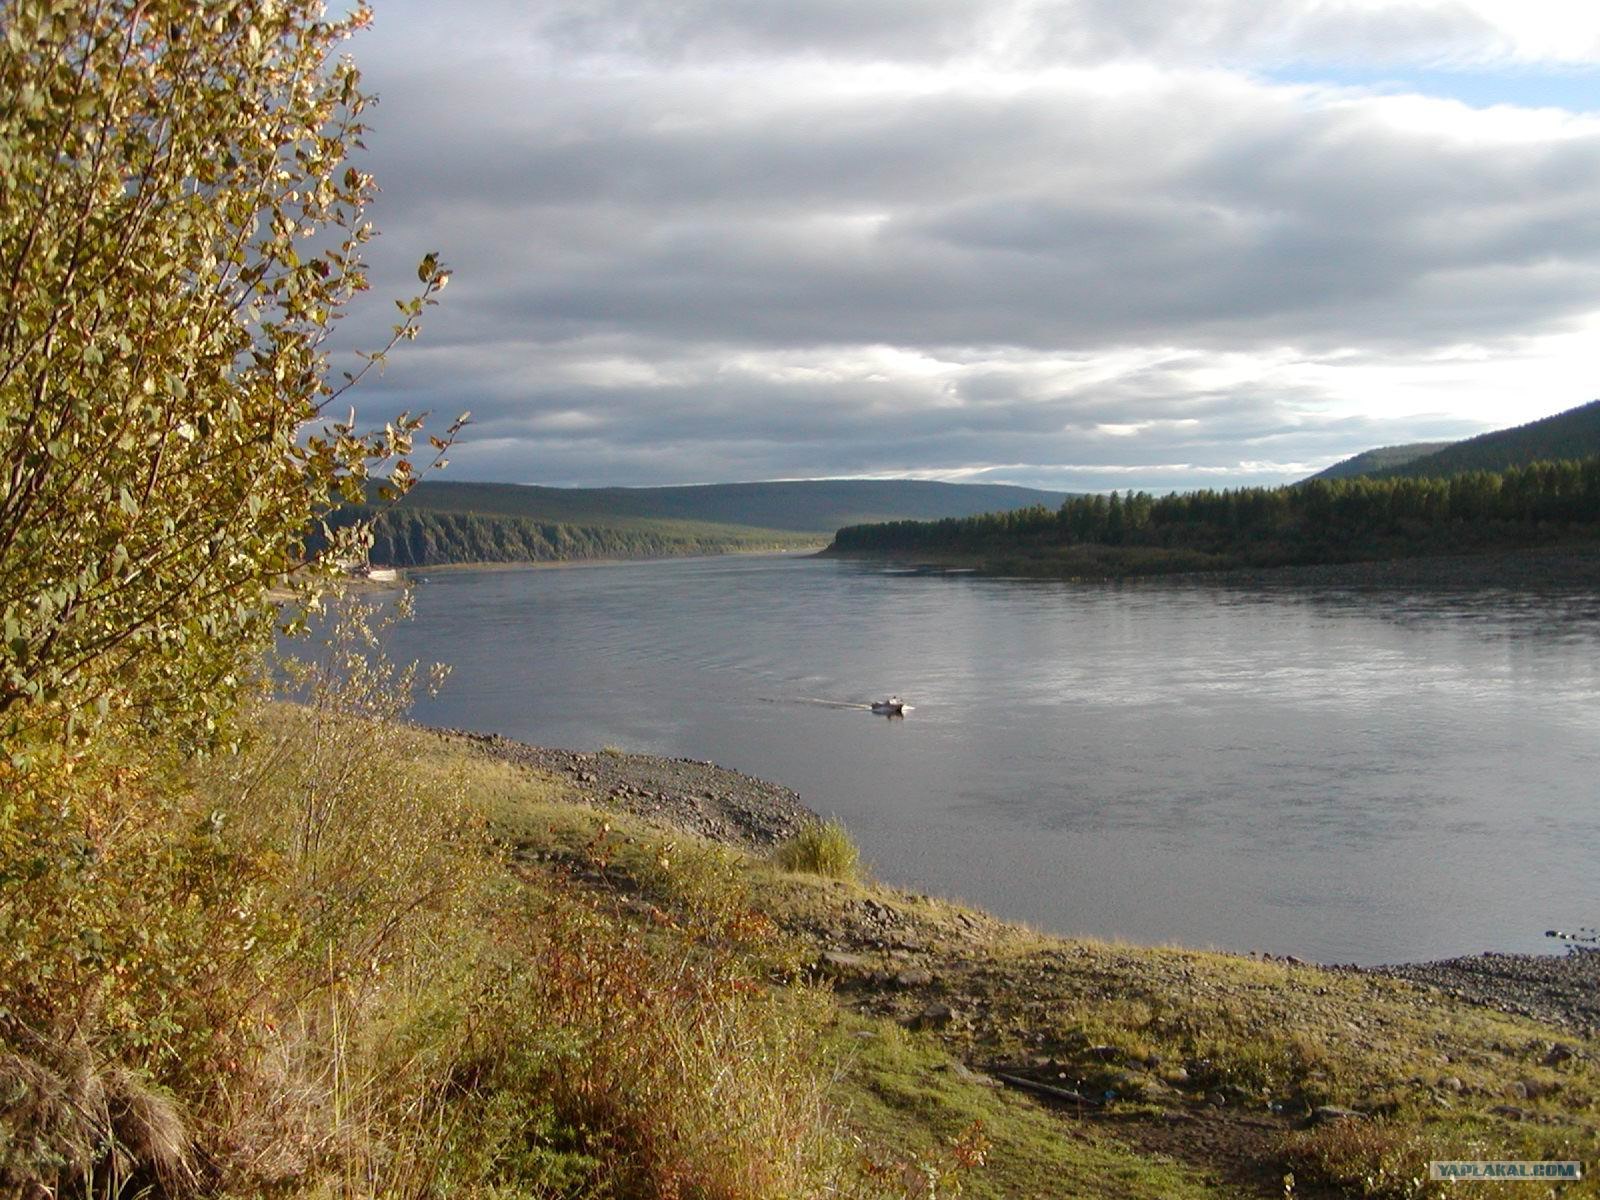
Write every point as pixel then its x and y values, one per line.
pixel 178 231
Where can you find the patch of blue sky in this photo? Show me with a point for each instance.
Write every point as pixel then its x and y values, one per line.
pixel 1575 89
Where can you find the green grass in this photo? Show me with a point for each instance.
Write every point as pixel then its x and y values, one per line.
pixel 906 1094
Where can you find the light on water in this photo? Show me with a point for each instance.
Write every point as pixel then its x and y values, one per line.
pixel 1344 776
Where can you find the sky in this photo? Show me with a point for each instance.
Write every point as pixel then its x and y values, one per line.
pixel 1073 244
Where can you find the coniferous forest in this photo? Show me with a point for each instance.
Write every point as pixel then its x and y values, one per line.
pixel 1318 521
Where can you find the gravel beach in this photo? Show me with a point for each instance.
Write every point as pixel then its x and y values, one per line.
pixel 1562 989
pixel 701 797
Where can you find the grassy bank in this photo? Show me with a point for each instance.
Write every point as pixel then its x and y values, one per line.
pixel 415 969
pixel 1175 1072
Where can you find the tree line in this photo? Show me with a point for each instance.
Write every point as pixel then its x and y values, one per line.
pixel 1318 520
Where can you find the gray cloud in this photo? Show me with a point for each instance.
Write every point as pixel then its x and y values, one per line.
pixel 671 265
pixel 1017 32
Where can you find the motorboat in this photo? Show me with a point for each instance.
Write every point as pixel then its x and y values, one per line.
pixel 892 707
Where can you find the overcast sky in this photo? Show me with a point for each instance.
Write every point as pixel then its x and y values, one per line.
pixel 1078 244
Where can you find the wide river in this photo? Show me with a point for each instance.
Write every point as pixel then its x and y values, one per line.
pixel 1348 776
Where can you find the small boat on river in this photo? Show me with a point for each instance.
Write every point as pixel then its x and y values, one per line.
pixel 892 707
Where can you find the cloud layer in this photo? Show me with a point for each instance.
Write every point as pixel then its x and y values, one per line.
pixel 1074 243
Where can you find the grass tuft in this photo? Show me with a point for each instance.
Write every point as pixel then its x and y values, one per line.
pixel 821 848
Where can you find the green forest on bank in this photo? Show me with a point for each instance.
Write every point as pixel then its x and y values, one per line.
pixel 1318 521
pixel 440 523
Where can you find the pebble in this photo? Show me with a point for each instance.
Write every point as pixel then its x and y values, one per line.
pixel 966 1073
pixel 838 962
pixel 1332 1112
pixel 935 1016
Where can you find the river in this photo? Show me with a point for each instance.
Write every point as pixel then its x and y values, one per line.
pixel 1343 775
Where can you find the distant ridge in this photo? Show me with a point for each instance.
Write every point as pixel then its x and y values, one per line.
pixel 1384 458
pixel 818 506
pixel 446 523
pixel 1572 434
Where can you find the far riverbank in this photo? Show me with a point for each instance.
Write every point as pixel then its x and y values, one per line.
pixel 556 564
pixel 1566 566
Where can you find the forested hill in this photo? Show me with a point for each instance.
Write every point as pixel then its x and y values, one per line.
pixel 1384 458
pixel 1573 434
pixel 1568 435
pixel 412 537
pixel 817 506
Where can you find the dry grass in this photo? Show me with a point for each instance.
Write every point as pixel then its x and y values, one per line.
pixel 99 1125
pixel 704 1082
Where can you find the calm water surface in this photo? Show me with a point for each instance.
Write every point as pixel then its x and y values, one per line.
pixel 1345 776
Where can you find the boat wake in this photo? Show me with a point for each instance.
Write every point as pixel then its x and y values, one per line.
pixel 817 700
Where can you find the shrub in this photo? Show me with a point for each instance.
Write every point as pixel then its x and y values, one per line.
pixel 821 848
pixel 1368 1158
pixel 179 230
pixel 668 1073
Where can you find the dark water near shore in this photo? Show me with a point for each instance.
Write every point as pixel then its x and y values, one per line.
pixel 1340 775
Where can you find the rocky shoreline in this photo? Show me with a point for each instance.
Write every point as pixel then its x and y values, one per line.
pixel 729 806
pixel 1559 989
pixel 698 796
